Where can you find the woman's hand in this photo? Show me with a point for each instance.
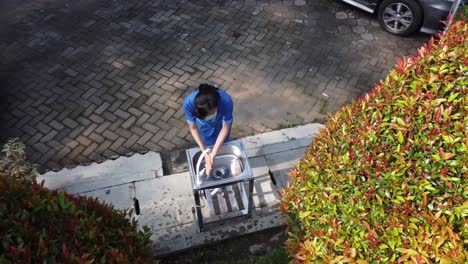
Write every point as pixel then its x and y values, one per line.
pixel 209 158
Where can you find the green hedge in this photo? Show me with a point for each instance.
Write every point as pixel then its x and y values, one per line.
pixel 385 182
pixel 38 225
pixel 462 12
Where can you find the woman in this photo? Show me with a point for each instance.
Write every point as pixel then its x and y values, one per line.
pixel 209 115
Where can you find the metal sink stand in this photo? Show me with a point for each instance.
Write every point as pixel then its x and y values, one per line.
pixel 213 217
pixel 230 190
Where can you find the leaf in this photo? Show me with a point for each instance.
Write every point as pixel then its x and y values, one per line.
pixel 400 121
pixel 305 214
pixel 379 200
pixel 448 156
pixel 407 251
pixel 452 97
pixel 455 179
pixel 437 215
pixel 61 199
pixel 447 139
pixel 430 188
pixel 401 139
pixel 366 225
pixel 65 252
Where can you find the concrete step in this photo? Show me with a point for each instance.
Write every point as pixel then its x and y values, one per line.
pixel 96 176
pixel 167 204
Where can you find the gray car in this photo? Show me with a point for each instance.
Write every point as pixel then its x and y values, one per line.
pixel 403 17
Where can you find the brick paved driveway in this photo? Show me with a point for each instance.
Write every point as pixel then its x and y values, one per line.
pixel 83 81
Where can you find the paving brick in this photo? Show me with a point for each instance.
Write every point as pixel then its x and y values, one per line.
pixel 117 144
pixel 49 136
pixel 83 141
pixel 137 103
pixel 168 114
pixel 96 137
pixel 76 131
pixel 147 109
pixel 127 103
pixel 152 99
pixel 173 122
pixel 103 146
pixel 131 141
pixel 102 108
pixel 166 144
pixel 75 152
pixel 129 83
pixel 71 72
pixel 137 130
pixel 110 135
pixel 145 138
pixel 43 127
pixel 70 123
pixel 142 119
pixel 96 119
pixel 173 105
pixel 166 73
pixel 149 83
pixel 158 136
pixel 134 111
pixel 122 114
pixel 29 130
pixel 179 141
pixel 90 129
pixel 63 152
pixel 171 133
pixel 129 122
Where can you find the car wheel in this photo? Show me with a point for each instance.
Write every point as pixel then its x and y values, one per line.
pixel 400 17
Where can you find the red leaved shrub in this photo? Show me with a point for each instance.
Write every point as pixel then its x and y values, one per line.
pixel 385 182
pixel 38 225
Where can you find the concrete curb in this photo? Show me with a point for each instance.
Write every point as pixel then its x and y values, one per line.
pixel 166 202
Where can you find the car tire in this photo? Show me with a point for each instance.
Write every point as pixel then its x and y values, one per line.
pixel 400 17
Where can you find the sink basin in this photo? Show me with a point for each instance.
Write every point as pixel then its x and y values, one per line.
pixel 230 165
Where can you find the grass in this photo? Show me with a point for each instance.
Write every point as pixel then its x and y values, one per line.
pixel 276 256
pixel 237 131
pixel 463 9
pixel 285 125
pixel 237 250
pixel 323 106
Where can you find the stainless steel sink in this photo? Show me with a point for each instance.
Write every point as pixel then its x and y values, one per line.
pixel 230 171
pixel 230 165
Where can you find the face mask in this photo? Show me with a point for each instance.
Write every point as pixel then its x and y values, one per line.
pixel 211 118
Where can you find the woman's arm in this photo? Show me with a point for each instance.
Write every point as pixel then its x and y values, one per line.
pixel 219 142
pixel 196 135
pixel 208 158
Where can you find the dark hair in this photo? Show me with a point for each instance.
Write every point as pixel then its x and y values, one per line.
pixel 206 99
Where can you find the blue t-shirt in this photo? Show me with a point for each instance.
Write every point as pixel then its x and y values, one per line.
pixel 210 130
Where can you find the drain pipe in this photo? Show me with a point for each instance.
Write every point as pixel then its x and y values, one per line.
pixel 136 203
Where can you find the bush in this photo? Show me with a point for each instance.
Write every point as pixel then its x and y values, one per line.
pixel 38 225
pixel 385 182
pixel 14 162
pixel 462 12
